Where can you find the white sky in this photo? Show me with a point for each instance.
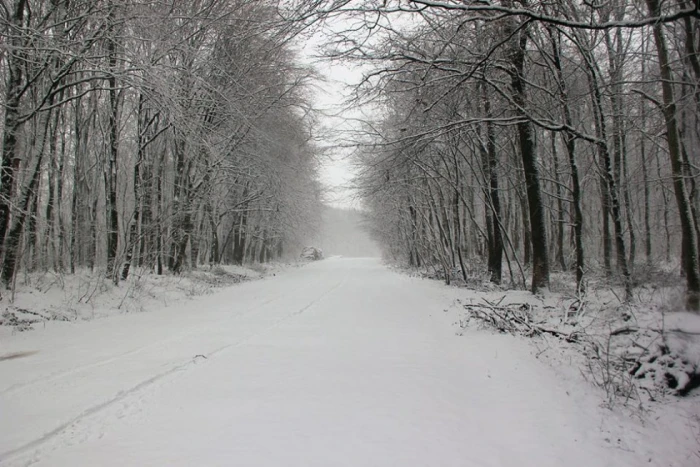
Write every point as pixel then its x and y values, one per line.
pixel 330 93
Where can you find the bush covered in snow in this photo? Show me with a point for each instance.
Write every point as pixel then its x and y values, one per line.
pixel 634 352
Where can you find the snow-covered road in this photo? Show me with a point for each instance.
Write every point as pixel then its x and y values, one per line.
pixel 339 363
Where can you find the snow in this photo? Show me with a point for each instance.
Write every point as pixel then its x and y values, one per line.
pixel 340 362
pixel 684 335
pixel 87 295
pixel 683 321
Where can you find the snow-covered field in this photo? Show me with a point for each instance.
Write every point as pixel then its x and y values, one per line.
pixel 341 362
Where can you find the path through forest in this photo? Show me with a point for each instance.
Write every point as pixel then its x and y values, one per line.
pixel 341 362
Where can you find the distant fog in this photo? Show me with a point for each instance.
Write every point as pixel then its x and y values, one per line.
pixel 342 233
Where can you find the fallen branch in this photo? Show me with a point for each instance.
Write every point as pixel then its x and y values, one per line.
pixel 514 318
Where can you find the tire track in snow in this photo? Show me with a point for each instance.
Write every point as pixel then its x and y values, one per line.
pixel 37 443
pixel 45 380
pixel 32 450
pixel 280 321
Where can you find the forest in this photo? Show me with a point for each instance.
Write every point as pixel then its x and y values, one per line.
pixel 517 137
pixel 150 134
pixel 530 137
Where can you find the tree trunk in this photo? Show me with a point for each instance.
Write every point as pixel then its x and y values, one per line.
pixel 689 241
pixel 112 169
pixel 14 235
pixel 560 205
pixel 11 126
pixel 493 208
pixel 526 137
pixel 132 241
pixel 645 171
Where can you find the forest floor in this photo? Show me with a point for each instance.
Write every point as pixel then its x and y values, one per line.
pixel 340 362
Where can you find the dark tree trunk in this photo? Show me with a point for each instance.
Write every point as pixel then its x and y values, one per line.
pixel 689 241
pixel 132 241
pixel 11 126
pixel 112 169
pixel 493 208
pixel 59 222
pixel 526 139
pixel 239 237
pixel 49 247
pixel 645 174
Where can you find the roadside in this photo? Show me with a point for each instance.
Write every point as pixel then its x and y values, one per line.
pixel 87 295
pixel 641 360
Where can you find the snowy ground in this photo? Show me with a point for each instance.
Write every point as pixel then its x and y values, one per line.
pixel 87 295
pixel 341 362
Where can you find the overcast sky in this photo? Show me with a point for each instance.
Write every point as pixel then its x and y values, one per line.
pixel 330 93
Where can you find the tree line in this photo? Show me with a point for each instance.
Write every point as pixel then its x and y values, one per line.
pixel 532 135
pixel 154 134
